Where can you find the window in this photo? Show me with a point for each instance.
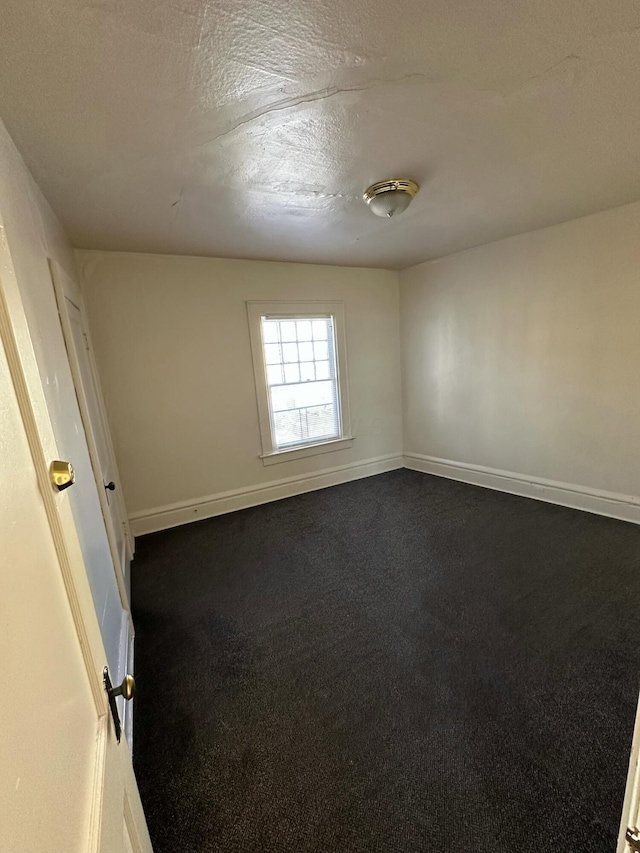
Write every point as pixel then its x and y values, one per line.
pixel 299 361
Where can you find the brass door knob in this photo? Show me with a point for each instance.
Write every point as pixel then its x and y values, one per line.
pixel 62 474
pixel 127 689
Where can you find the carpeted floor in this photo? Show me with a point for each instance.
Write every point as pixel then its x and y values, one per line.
pixel 399 664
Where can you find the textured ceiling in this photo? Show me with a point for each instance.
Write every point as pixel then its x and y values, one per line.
pixel 250 128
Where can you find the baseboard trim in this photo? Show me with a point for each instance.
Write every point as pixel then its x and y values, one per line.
pixel 173 515
pixel 612 504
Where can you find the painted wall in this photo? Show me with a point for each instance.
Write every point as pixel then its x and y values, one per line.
pixel 31 234
pixel 524 355
pixel 172 343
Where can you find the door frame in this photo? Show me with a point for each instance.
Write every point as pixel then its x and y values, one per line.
pixel 631 806
pixel 66 288
pixel 112 761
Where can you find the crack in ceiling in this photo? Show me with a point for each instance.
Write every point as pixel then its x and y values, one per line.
pixel 312 97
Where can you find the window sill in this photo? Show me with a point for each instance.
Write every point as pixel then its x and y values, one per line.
pixel 289 454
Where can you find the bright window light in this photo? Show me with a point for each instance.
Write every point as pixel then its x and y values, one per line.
pixel 300 363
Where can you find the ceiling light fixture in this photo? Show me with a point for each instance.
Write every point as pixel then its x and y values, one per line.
pixel 387 198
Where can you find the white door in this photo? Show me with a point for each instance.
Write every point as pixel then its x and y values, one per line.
pixel 66 784
pixel 629 838
pixel 86 499
pixel 85 377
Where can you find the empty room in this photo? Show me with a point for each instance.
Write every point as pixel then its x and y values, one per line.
pixel 320 426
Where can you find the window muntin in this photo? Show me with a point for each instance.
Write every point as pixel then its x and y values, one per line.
pixel 301 377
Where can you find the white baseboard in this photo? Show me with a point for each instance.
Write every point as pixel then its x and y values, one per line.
pixel 612 504
pixel 624 507
pixel 173 515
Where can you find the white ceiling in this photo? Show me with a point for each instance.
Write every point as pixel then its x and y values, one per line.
pixel 250 128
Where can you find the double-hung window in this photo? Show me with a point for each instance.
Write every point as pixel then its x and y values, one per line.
pixel 299 358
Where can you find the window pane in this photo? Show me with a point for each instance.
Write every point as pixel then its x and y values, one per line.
pixel 321 351
pixel 304 330
pixel 302 395
pixel 322 370
pixel 288 428
pixel 274 374
pixel 270 331
pixel 321 422
pixel 291 373
pixel 306 352
pixel 309 424
pixel 290 352
pixel 288 330
pixel 272 353
pixel 307 372
pixel 320 330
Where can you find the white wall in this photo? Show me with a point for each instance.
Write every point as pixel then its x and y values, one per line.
pixel 172 343
pixel 31 234
pixel 524 355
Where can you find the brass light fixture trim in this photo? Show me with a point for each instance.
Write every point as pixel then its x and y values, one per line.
pixel 386 198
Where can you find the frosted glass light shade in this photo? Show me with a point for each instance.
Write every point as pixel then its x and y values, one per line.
pixel 388 204
pixel 388 198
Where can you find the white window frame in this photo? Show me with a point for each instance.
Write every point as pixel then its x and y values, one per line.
pixel 298 310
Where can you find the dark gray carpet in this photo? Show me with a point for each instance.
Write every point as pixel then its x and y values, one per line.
pixel 398 664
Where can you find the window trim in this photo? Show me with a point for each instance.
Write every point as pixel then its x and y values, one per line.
pixel 298 309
